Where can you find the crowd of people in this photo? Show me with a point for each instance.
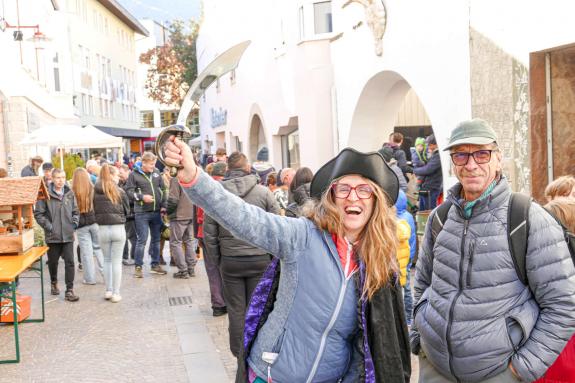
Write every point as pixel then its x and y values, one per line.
pixel 329 306
pixel 314 270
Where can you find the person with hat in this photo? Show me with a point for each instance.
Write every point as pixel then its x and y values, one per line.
pixel 475 320
pixel 419 157
pixel 32 169
pixel 261 166
pixel 47 171
pixel 336 312
pixel 432 184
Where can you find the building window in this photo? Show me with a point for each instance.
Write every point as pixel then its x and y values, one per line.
pixel 147 119
pixel 90 105
pixel 169 118
pixel 56 73
pixel 301 21
pixel 290 150
pixel 322 17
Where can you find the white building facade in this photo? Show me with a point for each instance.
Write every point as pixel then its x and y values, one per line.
pixel 323 75
pixel 33 88
pixel 104 60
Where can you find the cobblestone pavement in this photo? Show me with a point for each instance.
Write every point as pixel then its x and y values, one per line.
pixel 140 339
pixel 93 340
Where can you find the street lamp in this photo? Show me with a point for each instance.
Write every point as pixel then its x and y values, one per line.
pixel 38 37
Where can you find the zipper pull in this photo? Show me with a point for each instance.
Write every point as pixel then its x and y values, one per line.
pixel 270 374
pixel 465 227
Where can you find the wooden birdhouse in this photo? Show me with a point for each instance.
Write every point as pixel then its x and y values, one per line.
pixel 17 199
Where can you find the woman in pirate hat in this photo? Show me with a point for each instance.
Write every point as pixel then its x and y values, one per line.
pixel 335 312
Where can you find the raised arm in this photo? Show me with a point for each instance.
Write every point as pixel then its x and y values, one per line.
pixel 280 236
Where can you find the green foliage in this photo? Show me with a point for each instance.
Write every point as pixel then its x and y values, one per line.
pixel 71 162
pixel 173 66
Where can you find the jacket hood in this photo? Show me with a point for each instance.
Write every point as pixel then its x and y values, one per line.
pixel 53 192
pixel 262 166
pixel 401 203
pixel 240 184
pixel 302 193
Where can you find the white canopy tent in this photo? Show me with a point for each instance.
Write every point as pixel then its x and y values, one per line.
pixel 71 136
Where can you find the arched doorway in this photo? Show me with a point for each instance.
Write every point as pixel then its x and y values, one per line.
pixel 257 136
pixel 388 104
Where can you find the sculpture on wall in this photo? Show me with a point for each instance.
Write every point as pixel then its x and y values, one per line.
pixel 376 19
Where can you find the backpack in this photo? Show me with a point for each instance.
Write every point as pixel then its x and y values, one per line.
pixel 517 230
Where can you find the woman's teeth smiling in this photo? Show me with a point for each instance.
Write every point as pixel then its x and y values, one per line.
pixel 355 210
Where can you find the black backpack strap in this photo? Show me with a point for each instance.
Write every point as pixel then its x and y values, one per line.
pixel 439 219
pixel 518 232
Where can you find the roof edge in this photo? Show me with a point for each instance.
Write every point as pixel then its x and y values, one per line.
pixel 122 13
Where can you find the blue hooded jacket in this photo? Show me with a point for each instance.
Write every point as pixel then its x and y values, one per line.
pixel 402 213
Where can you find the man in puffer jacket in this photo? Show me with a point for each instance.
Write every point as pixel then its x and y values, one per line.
pixel 474 320
pixel 145 188
pixel 241 264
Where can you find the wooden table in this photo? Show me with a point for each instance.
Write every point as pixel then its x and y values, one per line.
pixel 11 266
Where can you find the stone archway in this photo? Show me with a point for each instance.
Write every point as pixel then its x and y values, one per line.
pixel 257 137
pixel 376 110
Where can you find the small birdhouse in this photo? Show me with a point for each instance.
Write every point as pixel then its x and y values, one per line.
pixel 17 199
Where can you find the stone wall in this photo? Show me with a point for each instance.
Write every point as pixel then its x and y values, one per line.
pixel 499 94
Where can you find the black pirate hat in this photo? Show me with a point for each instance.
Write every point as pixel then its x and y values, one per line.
pixel 350 161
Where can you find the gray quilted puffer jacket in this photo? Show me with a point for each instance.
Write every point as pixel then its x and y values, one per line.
pixel 473 315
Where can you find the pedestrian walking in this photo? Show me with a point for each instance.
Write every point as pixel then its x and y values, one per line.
pixel 88 230
pixel 494 325
pixel 261 166
pixel 337 313
pixel 182 242
pixel 241 264
pixel 59 216
pixel 300 190
pixel 47 168
pixel 130 226
pixel 146 189
pixel 432 184
pixel 281 194
pixel 217 172
pixel 406 253
pixel 111 205
pixel 394 143
pixel 31 170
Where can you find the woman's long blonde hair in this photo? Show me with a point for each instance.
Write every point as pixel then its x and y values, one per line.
pixel 377 243
pixel 108 185
pixel 564 210
pixel 83 190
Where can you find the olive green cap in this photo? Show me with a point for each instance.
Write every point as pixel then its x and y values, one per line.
pixel 473 132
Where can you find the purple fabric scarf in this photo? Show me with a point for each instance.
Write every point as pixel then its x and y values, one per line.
pixel 257 304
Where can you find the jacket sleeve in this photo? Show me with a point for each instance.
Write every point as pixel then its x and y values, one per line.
pixel 402 161
pixel 423 271
pixel 173 197
pixel 551 276
pixel 164 193
pixel 271 203
pixel 42 215
pixel 75 212
pixel 125 203
pixel 432 166
pixel 280 236
pixel 132 189
pixel 211 239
